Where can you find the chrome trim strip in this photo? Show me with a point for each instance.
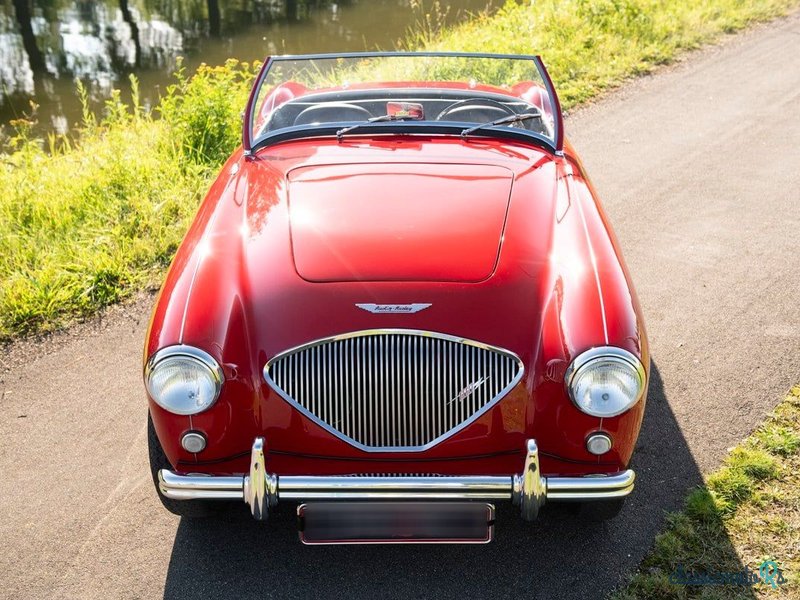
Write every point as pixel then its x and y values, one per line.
pixel 592 256
pixel 419 379
pixel 401 54
pixel 198 261
pixel 529 490
pixel 193 487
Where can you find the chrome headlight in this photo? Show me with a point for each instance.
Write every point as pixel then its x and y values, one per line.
pixel 605 381
pixel 183 380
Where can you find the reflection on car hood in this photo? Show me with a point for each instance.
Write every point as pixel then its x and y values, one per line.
pixel 397 222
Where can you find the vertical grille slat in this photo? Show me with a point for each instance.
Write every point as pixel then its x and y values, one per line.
pixel 394 389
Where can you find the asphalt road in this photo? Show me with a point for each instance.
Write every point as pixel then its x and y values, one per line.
pixel 699 167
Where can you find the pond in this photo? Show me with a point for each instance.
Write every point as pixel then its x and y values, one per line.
pixel 45 45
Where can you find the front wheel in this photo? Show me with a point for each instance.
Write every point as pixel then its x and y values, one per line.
pixel 192 509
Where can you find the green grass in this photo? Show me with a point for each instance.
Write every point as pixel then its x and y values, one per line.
pixel 747 512
pixel 86 225
pixel 90 222
pixel 592 45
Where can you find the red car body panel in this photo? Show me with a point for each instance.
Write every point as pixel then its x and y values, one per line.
pixel 528 263
pixel 414 229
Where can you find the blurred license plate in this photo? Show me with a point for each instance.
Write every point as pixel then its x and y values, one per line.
pixel 395 522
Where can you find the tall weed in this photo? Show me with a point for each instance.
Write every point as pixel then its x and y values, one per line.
pixel 204 111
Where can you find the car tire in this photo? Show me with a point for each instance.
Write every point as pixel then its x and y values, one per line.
pixel 599 511
pixel 191 509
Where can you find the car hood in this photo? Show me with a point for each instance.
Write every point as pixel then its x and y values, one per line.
pixel 242 285
pixel 234 289
pixel 300 239
pixel 441 222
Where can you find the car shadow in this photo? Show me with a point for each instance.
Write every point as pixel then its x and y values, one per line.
pixel 555 557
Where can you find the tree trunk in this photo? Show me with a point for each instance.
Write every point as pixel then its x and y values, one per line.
pixel 214 19
pixel 128 18
pixel 23 12
pixel 291 10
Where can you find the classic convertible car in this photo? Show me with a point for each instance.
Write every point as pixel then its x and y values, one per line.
pixel 400 303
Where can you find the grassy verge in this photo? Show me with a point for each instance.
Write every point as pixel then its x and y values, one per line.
pixel 83 226
pixel 592 45
pixel 90 223
pixel 747 513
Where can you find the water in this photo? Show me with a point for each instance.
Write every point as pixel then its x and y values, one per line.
pixel 45 45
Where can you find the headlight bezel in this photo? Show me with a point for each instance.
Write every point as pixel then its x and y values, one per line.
pixel 196 355
pixel 605 353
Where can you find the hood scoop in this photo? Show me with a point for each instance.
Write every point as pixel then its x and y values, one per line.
pixel 397 222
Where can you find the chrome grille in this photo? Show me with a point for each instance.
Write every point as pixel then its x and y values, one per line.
pixel 393 390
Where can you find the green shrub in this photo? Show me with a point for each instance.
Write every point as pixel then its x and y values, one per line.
pixel 204 111
pixel 98 218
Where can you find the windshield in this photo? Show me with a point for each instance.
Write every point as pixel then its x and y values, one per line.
pixel 406 93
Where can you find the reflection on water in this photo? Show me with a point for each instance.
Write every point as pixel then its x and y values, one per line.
pixel 46 44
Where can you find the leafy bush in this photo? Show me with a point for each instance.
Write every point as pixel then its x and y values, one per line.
pixel 204 111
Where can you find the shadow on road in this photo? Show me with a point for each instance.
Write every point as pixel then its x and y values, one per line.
pixel 555 557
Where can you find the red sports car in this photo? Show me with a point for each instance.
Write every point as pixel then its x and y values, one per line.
pixel 400 303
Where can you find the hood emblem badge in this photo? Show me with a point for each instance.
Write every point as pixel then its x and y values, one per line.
pixel 393 308
pixel 468 390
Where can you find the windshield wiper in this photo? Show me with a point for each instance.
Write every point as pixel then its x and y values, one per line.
pixel 502 121
pixel 382 118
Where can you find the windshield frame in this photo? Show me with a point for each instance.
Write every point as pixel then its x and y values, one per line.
pixel 250 145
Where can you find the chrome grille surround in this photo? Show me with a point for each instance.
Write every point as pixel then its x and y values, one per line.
pixel 353 385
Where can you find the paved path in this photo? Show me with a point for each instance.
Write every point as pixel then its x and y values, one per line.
pixel 699 167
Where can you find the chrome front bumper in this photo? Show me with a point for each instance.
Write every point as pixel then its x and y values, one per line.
pixel 261 490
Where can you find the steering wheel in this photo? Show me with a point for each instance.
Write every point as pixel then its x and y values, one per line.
pixel 475 110
pixel 332 112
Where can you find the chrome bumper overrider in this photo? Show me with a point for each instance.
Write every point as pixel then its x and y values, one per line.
pixel 261 490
